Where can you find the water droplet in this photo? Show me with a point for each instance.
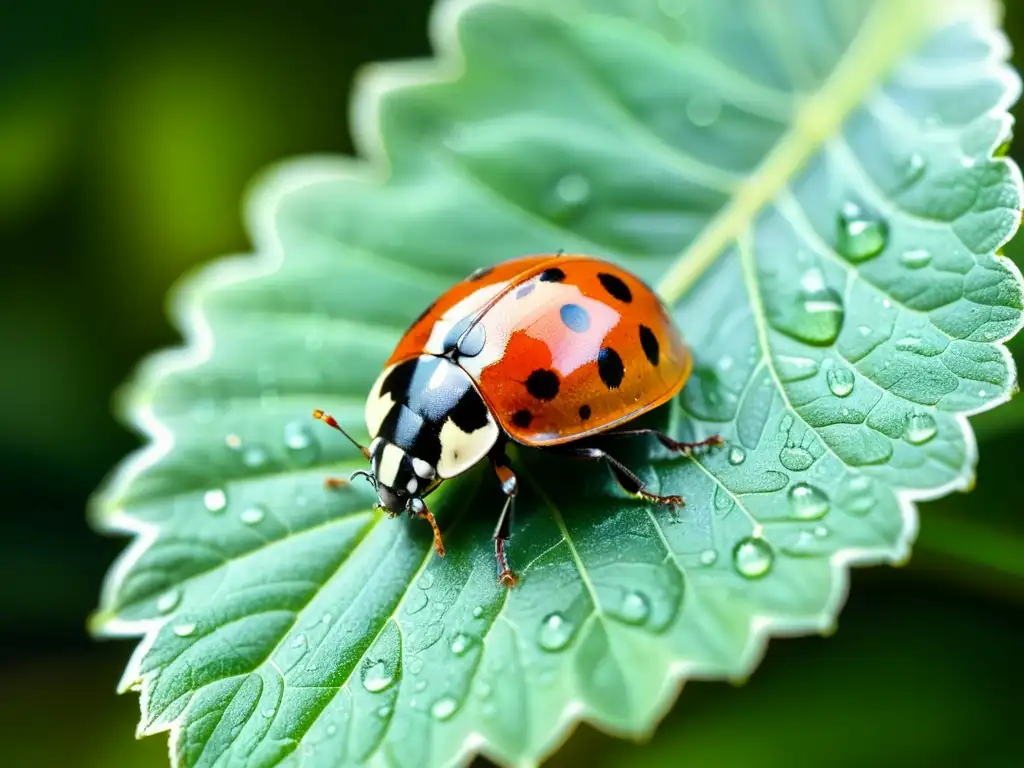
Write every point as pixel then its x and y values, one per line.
pixel 332 729
pixel 326 619
pixel 921 427
pixel 908 343
pixel 753 557
pixel 483 689
pixel 426 581
pixel 725 363
pixel 737 455
pixel 444 708
pixel 814 316
pixel 184 630
pixel 857 496
pixel 796 458
pixel 301 443
pixel 572 193
pixel 821 531
pixel 860 236
pixel 478 612
pixel 555 632
pixel 415 665
pixel 268 713
pixel 299 641
pixel 489 710
pixel 703 108
pixel 215 500
pixel 168 601
pixel 384 711
pixel 708 557
pixel 461 643
pixel 420 686
pixel 233 441
pixel 254 456
pixel 916 258
pixel 968 162
pixel 253 515
pixel 913 170
pixel 635 609
pixel 840 381
pixel 808 502
pixel 377 676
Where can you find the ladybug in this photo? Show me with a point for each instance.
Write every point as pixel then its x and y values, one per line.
pixel 544 351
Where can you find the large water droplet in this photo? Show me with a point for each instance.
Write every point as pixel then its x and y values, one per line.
pixel 921 427
pixel 753 557
pixel 840 381
pixel 737 455
pixel 708 557
pixel 555 632
pixel 808 502
pixel 635 608
pixel 703 108
pixel 253 515
pixel 184 630
pixel 377 676
pixel 444 708
pixel 301 443
pixel 916 258
pixel 461 643
pixel 215 500
pixel 168 601
pixel 814 316
pixel 859 236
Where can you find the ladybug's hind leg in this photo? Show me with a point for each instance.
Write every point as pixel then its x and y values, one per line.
pixel 625 477
pixel 503 530
pixel 673 445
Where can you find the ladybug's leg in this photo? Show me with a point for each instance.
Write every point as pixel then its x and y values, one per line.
pixel 417 508
pixel 623 475
pixel 667 441
pixel 503 530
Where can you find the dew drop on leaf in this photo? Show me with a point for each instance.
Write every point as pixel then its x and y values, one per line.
pixel 384 711
pixel 857 495
pixel 572 193
pixel 555 632
pixel 859 236
pixel 377 676
pixel 808 502
pixel 461 643
pixel 253 515
pixel 753 557
pixel 443 708
pixel 795 458
pixel 301 443
pixel 635 608
pixel 478 612
pixel 215 500
pixel 184 630
pixel 921 427
pixel 916 258
pixel 821 531
pixel 426 581
pixel 814 316
pixel 840 381
pixel 332 729
pixel 168 601
pixel 913 170
pixel 267 713
pixel 254 456
pixel 703 109
pixel 737 455
pixel 708 557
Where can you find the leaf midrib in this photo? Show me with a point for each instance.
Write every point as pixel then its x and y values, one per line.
pixel 891 29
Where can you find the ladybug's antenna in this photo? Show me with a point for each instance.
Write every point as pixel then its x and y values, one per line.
pixel 370 478
pixel 327 419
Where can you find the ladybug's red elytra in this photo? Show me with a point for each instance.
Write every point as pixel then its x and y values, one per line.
pixel 541 350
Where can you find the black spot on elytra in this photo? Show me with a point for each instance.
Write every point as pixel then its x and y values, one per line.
pixel 575 317
pixel 522 418
pixel 469 413
pixel 480 274
pixel 609 367
pixel 650 344
pixel 542 384
pixel 525 290
pixel 584 412
pixel 552 275
pixel 615 287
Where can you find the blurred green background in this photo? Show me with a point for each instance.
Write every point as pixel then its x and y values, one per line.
pixel 127 137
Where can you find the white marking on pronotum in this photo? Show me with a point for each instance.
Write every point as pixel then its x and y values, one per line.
pixel 422 468
pixel 412 486
pixel 390 461
pixel 461 450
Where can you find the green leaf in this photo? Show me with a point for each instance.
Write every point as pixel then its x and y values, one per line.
pixel 815 193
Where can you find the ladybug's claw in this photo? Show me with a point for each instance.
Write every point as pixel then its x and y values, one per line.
pixel 507 579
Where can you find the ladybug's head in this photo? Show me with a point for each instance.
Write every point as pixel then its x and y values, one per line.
pixel 397 477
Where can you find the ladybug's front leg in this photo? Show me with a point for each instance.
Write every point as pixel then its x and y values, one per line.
pixel 503 531
pixel 625 477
